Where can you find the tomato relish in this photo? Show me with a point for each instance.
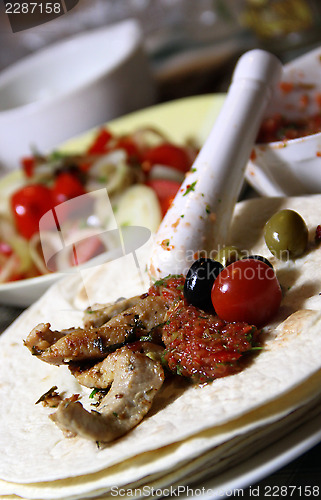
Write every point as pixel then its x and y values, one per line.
pixel 200 345
pixel 279 128
pixel 171 288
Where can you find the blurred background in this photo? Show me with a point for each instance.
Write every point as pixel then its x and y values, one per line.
pixel 192 45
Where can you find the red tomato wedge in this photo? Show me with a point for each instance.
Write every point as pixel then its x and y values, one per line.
pixel 170 155
pixel 100 144
pixel 165 191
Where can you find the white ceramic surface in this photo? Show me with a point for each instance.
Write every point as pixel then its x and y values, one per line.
pixel 292 167
pixel 70 87
pixel 208 194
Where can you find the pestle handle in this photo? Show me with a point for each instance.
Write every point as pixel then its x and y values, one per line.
pixel 200 215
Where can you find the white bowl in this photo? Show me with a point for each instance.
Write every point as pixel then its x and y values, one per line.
pixel 179 120
pixel 291 167
pixel 70 87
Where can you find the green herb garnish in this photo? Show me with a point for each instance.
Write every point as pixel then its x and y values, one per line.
pixel 190 187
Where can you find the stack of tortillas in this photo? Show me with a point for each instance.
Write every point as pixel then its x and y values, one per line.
pixel 191 432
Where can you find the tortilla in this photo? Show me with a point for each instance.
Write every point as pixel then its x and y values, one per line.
pixel 189 430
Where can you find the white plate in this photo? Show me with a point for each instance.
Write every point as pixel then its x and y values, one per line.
pixel 263 463
pixel 180 120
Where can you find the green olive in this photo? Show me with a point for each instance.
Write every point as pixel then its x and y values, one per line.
pixel 227 255
pixel 286 234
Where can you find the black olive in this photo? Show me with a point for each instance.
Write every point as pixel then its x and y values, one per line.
pixel 261 258
pixel 199 282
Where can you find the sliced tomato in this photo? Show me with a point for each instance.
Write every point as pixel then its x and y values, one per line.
pixel 168 154
pixel 28 205
pixel 165 191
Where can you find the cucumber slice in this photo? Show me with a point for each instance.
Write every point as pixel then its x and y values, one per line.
pixel 139 206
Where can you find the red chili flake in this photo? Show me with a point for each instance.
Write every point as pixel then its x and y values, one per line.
pixel 253 155
pixel 166 246
pixel 304 101
pixel 318 153
pixel 286 87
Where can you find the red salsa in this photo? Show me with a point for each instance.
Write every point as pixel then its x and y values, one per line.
pixel 171 288
pixel 279 128
pixel 197 344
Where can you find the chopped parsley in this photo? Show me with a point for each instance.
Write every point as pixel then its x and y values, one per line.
pixel 93 393
pixel 190 187
pixel 162 281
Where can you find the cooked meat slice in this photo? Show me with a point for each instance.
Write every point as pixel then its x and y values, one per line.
pixel 98 376
pixel 148 313
pixel 101 375
pixel 41 337
pixel 81 344
pixel 96 343
pixel 101 313
pixel 52 398
pixel 137 378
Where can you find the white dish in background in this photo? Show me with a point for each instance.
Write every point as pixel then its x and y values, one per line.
pixel 22 293
pixel 70 87
pixel 292 167
pixel 179 120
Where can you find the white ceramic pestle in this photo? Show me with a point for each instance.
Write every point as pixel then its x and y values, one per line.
pixel 199 218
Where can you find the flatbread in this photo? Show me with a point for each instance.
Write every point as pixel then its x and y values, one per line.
pixel 185 424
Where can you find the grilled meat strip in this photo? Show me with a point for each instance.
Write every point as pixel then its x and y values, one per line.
pixel 136 380
pixel 101 375
pixel 101 313
pixel 95 343
pixel 41 337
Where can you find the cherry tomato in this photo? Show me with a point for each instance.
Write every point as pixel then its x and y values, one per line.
pixel 66 187
pixel 165 191
pixel 28 205
pixel 247 290
pixel 168 154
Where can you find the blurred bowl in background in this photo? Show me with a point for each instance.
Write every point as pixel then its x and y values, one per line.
pixel 72 86
pixel 293 166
